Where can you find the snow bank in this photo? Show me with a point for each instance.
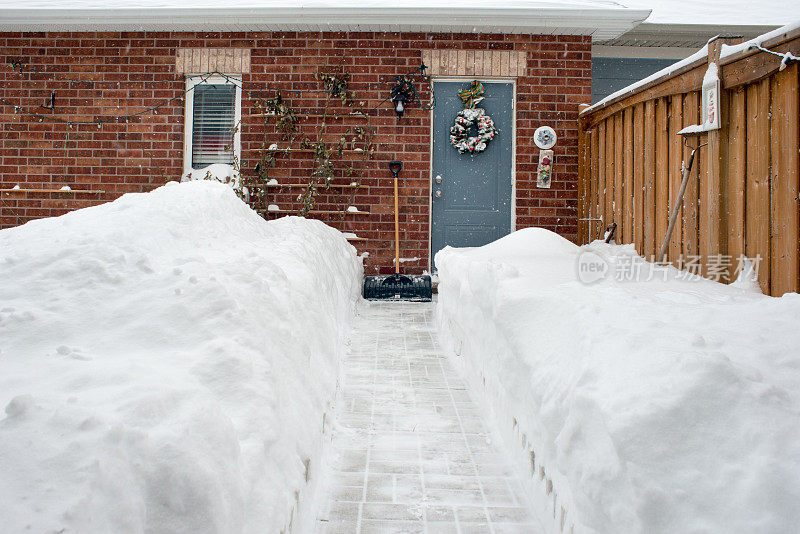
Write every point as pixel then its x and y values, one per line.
pixel 222 173
pixel 166 361
pixel 667 405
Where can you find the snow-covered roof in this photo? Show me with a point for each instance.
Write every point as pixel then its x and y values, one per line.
pixel 685 35
pixel 690 24
pixel 601 19
pixel 717 12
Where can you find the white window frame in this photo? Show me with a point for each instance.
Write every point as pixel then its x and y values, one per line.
pixel 191 82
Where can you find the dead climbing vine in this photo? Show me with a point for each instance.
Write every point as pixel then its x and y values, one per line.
pixel 329 160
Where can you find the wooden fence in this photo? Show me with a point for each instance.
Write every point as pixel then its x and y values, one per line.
pixel 742 198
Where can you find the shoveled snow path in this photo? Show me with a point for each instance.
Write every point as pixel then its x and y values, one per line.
pixel 410 451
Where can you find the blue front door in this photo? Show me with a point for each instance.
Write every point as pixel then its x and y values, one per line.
pixel 474 207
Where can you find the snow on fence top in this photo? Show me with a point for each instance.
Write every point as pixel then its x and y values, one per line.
pixel 727 55
pixel 729 51
pixel 659 76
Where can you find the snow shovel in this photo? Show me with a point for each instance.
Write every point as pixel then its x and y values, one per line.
pixel 397 286
pixel 678 203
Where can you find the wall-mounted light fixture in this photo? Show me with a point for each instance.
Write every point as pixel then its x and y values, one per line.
pixel 402 94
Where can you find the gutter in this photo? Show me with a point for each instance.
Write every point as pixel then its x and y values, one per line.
pixel 601 23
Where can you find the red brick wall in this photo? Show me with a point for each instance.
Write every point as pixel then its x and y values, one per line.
pixel 143 153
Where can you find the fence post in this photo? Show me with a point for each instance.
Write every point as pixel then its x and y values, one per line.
pixel 584 225
pixel 714 185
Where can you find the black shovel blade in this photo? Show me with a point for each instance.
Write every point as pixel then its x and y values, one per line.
pixel 398 287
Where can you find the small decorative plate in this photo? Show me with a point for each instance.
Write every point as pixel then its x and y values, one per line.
pixel 544 137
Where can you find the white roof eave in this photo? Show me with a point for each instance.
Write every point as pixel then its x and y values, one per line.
pixel 600 23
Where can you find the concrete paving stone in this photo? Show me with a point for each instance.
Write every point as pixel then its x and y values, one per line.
pixel 452 482
pixel 379 493
pixel 463 469
pixel 450 496
pixel 442 528
pixel 498 493
pixel 358 456
pixel 391 527
pixel 509 514
pixel 495 470
pixel 337 527
pixel 398 455
pixel 474 528
pixel 348 479
pixel 408 494
pixel 472 514
pixel 350 466
pixel 400 468
pixel 394 512
pixel 343 511
pixel 515 528
pixel 436 514
pixel 348 493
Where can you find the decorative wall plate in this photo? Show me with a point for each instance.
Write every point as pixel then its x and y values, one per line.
pixel 544 137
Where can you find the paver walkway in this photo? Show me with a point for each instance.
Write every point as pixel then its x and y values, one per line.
pixel 410 450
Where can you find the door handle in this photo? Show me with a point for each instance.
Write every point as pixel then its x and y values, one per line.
pixel 438 193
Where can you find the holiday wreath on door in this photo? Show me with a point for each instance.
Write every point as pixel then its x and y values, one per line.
pixel 471 115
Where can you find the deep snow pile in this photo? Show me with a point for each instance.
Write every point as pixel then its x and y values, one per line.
pixel 653 406
pixel 165 362
pixel 219 172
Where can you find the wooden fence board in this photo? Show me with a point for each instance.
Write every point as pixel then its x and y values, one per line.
pixel 785 216
pixel 601 175
pixel 627 176
pixel 713 219
pixel 583 183
pixel 618 184
pixel 593 183
pixel 757 194
pixel 638 175
pixel 700 162
pixel 662 172
pixel 737 139
pixel 648 247
pixel 594 227
pixel 675 176
pixel 691 116
pixel 608 157
pixel 585 167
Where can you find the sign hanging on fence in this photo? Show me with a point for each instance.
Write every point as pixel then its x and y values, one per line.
pixel 710 106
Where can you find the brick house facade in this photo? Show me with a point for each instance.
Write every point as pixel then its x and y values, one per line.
pixel 552 76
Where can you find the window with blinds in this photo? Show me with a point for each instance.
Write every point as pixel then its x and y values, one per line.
pixel 213 124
